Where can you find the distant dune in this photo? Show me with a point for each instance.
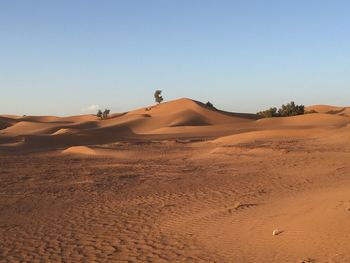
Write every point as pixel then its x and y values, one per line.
pixel 182 118
pixel 342 111
pixel 166 120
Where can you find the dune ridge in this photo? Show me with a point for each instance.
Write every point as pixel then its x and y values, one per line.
pixel 159 120
pixel 328 109
pixel 179 118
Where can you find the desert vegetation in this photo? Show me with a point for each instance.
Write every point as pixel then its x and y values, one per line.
pixel 290 109
pixel 158 96
pixel 210 105
pixel 103 115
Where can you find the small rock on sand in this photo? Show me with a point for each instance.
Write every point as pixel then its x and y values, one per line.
pixel 276 232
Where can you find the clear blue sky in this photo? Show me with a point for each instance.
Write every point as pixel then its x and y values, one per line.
pixel 59 57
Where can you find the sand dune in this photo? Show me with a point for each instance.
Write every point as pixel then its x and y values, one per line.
pixel 181 109
pixel 44 119
pixel 174 119
pixel 79 150
pixel 342 111
pixel 324 109
pixel 307 120
pixel 4 124
pixel 268 135
pixel 176 182
pixel 28 127
pixel 166 120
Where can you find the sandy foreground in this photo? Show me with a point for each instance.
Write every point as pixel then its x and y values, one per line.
pixel 179 182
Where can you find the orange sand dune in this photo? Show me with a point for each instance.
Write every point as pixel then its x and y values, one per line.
pixel 4 124
pixel 174 119
pixel 324 108
pixel 39 118
pixel 179 118
pixel 79 150
pixel 307 120
pixel 342 111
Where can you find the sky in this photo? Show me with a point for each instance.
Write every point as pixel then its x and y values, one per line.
pixel 65 57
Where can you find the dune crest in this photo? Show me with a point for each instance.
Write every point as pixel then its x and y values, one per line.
pixel 328 109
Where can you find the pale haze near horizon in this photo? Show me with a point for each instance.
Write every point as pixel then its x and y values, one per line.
pixel 72 57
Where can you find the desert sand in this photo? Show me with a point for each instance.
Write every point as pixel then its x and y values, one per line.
pixel 176 182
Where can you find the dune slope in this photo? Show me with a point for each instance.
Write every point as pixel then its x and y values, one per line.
pixel 164 121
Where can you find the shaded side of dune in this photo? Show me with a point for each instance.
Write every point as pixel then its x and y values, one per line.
pixel 249 116
pixel 29 143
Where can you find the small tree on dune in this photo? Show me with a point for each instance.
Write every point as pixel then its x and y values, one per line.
pixel 106 113
pixel 158 97
pixel 103 115
pixel 210 105
pixel 99 114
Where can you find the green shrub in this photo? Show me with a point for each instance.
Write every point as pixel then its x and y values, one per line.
pixel 99 114
pixel 157 96
pixel 103 115
pixel 290 109
pixel 272 112
pixel 210 105
pixel 106 113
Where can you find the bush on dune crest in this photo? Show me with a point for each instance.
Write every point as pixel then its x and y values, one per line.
pixel 103 115
pixel 291 109
pixel 272 112
pixel 210 105
pixel 158 97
